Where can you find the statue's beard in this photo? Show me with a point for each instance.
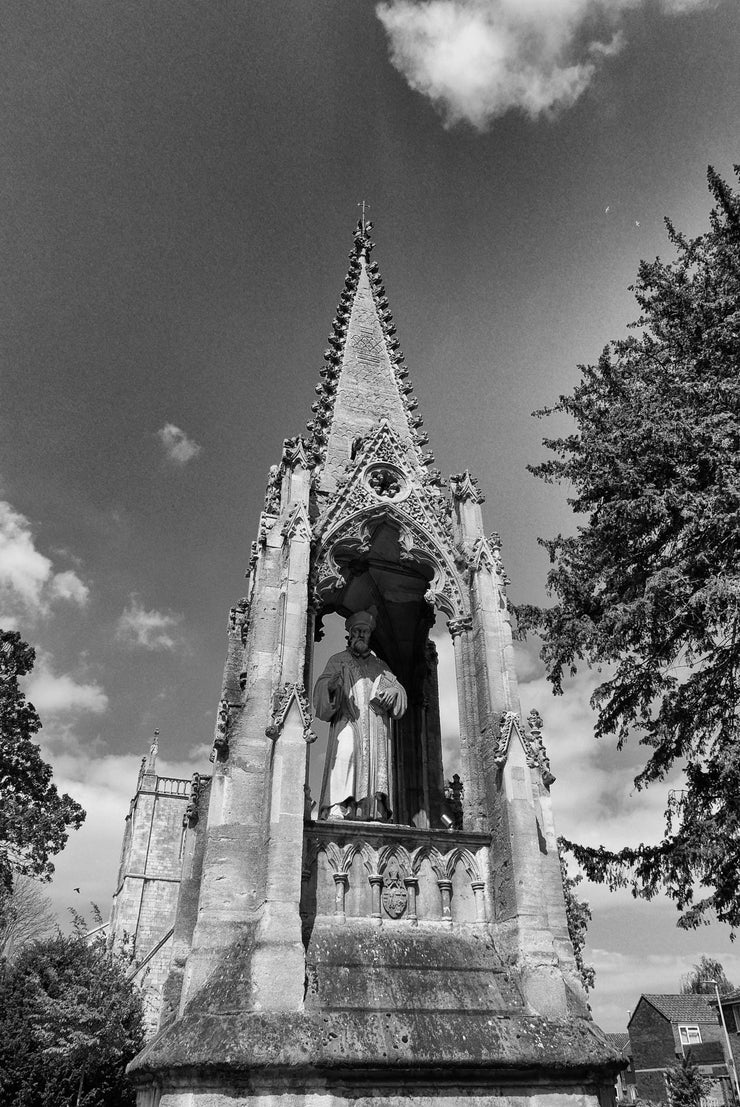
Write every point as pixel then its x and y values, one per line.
pixel 360 649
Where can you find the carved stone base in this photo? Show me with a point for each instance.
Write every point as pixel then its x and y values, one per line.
pixel 399 1059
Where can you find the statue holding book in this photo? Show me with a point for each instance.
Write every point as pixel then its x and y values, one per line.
pixel 359 695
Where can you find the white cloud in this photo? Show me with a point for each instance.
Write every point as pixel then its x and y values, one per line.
pixel 177 446
pixel 477 59
pixel 62 694
pixel 623 976
pixel 153 630
pixel 28 582
pixel 68 586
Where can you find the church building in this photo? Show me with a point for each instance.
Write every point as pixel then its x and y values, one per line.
pixel 379 914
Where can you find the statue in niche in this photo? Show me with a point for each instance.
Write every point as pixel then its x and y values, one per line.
pixel 359 695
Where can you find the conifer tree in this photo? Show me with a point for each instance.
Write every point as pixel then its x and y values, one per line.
pixel 685 1084
pixel 648 588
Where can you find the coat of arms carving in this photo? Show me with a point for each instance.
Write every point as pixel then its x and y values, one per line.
pixel 394 896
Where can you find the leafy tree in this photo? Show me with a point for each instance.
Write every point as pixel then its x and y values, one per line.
pixel 26 915
pixel 34 818
pixel 685 1084
pixel 700 980
pixel 69 1024
pixel 578 914
pixel 648 588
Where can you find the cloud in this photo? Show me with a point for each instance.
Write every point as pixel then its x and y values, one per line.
pixel 28 582
pixel 150 629
pixel 62 694
pixel 622 977
pixel 177 446
pixel 477 59
pixel 68 586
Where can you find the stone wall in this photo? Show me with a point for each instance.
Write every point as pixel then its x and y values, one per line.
pixel 145 900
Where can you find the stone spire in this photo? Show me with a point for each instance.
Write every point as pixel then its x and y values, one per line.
pixel 365 379
pixel 148 770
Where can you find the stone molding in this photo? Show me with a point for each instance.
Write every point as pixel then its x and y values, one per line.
pixel 291 693
pixel 530 739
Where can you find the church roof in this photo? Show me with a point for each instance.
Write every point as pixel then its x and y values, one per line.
pixel 365 379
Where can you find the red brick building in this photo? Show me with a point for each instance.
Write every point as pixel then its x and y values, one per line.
pixel 663 1028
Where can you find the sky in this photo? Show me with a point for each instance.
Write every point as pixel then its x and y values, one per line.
pixel 179 186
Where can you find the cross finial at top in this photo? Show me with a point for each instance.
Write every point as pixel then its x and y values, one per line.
pixel 363 242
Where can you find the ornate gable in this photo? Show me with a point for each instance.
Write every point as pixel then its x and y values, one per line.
pixel 384 484
pixel 530 740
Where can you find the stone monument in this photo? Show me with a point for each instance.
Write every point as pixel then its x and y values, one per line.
pixel 401 938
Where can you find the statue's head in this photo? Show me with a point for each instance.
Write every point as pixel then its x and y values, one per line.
pixel 359 626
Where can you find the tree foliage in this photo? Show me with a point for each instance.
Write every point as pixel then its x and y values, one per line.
pixel 685 1084
pixel 34 818
pixel 578 914
pixel 648 588
pixel 69 1024
pixel 700 981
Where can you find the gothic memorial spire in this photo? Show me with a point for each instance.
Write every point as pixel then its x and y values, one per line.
pixel 391 927
pixel 365 378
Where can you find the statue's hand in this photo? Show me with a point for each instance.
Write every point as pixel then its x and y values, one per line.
pixel 387 698
pixel 335 683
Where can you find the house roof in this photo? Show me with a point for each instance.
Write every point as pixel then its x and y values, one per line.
pixel 728 997
pixel 620 1042
pixel 683 1009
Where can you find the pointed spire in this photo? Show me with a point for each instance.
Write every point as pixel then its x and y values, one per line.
pixel 365 379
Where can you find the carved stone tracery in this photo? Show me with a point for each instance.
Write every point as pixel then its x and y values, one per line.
pixel 530 739
pixel 393 871
pixel 290 693
pixel 381 485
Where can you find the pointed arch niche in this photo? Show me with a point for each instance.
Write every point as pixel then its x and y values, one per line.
pixel 376 564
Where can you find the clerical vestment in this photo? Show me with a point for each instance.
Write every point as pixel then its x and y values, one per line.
pixel 358 757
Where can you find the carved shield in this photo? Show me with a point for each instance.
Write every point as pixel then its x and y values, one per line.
pixel 394 895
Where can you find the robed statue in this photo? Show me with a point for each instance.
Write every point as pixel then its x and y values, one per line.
pixel 359 695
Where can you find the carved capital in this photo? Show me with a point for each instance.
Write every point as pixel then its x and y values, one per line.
pixel 464 486
pixel 457 626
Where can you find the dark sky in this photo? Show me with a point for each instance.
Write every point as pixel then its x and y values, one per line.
pixel 179 185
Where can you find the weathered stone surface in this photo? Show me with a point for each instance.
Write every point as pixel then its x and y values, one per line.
pixel 428 1046
pixel 414 964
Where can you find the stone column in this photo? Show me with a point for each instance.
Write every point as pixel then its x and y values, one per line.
pixel 278 961
pixel 512 804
